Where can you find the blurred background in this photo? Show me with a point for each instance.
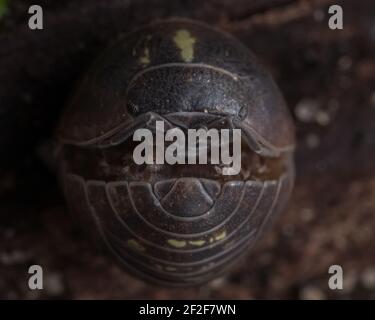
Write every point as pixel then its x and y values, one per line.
pixel 328 79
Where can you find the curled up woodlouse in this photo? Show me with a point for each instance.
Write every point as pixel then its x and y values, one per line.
pixel 175 224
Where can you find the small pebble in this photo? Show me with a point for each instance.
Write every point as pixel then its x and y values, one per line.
pixel 306 109
pixel 307 214
pixel 323 118
pixel 217 283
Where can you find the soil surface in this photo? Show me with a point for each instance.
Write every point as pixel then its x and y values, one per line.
pixel 327 77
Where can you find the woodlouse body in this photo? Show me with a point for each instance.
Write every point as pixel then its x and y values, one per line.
pixel 182 224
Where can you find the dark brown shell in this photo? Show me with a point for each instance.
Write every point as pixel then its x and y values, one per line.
pixel 176 226
pixel 223 77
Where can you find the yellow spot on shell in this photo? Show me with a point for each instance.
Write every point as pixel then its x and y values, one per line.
pixel 177 243
pixel 218 237
pixel 185 42
pixel 198 243
pixel 229 244
pixel 133 244
pixel 170 269
pixel 145 59
pixel 221 236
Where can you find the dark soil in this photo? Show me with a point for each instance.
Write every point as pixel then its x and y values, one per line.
pixel 328 80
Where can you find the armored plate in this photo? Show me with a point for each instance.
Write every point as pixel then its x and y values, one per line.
pixel 175 224
pixel 177 66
